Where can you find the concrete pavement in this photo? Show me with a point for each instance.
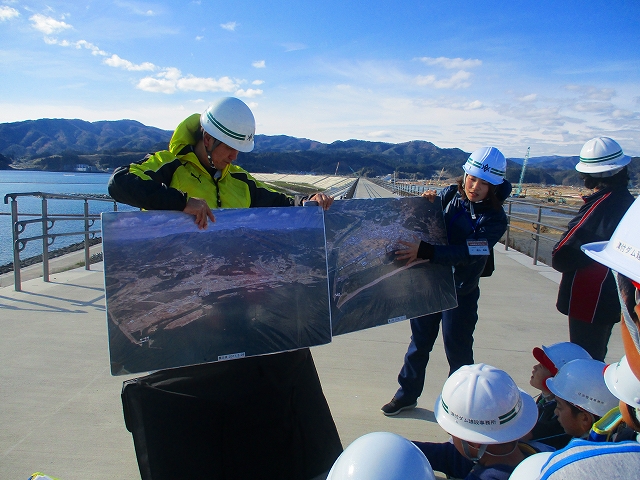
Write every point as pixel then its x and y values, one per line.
pixel 60 409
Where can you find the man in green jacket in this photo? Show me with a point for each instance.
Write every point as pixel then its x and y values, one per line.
pixel 197 173
pixel 252 418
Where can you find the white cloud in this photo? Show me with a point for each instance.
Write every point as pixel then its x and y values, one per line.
pixel 199 37
pixel 171 80
pixel 249 93
pixel 529 98
pixel 593 93
pixel 257 82
pixel 627 114
pixel 89 46
pixel 451 63
pixel 380 134
pixel 48 25
pixel 117 62
pixel 595 107
pixel 200 84
pixel 455 81
pixel 79 44
pixel 162 83
pixel 230 26
pixel 259 64
pixel 7 13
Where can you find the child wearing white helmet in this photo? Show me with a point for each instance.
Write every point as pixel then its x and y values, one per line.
pixel 550 359
pixel 381 456
pixel 587 291
pixel 475 222
pixel 582 396
pixel 486 414
pixel 583 460
pixel 626 387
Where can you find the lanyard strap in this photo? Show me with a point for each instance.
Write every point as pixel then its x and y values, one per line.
pixel 455 217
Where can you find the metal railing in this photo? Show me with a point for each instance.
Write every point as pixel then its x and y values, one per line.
pixel 47 221
pixel 538 226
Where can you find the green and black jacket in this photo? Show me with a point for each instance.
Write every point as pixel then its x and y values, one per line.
pixel 167 179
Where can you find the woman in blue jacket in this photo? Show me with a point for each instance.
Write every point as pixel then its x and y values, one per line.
pixel 475 222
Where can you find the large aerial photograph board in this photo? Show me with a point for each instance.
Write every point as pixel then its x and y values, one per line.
pixel 368 286
pixel 252 283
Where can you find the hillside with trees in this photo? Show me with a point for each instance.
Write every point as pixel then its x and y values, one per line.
pixel 66 145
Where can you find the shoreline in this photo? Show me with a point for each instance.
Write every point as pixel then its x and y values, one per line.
pixel 27 262
pixel 64 261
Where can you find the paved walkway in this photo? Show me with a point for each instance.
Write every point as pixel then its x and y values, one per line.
pixel 60 408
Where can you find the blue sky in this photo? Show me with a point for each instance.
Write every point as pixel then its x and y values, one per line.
pixel 514 74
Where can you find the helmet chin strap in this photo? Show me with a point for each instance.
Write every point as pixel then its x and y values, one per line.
pixel 216 142
pixel 503 454
pixel 467 451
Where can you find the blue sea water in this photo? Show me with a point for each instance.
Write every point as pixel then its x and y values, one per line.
pixel 22 181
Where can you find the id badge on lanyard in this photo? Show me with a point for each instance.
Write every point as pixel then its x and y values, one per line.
pixel 478 247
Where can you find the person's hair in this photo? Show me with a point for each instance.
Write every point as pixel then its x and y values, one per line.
pixel 492 198
pixel 576 410
pixel 620 179
pixel 199 134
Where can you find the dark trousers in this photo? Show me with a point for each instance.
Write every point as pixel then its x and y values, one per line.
pixel 593 337
pixel 256 418
pixel 458 325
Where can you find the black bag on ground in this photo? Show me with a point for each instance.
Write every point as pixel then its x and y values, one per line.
pixel 252 418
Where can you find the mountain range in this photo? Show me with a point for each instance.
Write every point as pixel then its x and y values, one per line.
pixel 61 144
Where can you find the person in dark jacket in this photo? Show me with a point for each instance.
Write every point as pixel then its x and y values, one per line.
pixel 587 292
pixel 260 417
pixel 475 221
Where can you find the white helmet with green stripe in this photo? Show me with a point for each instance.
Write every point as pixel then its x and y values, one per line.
pixel 602 157
pixel 487 163
pixel 230 120
pixel 482 404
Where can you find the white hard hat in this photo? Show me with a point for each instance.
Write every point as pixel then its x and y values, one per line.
pixel 602 157
pixel 230 120
pixel 482 404
pixel 622 252
pixel 381 456
pixel 555 356
pixel 581 383
pixel 623 383
pixel 487 163
pixel 530 467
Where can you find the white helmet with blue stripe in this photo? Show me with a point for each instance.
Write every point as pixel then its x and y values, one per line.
pixel 230 121
pixel 487 163
pixel 602 157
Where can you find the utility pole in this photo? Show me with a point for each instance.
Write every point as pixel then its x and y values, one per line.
pixel 524 165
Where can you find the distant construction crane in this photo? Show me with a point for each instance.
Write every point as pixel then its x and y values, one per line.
pixel 337 168
pixel 524 165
